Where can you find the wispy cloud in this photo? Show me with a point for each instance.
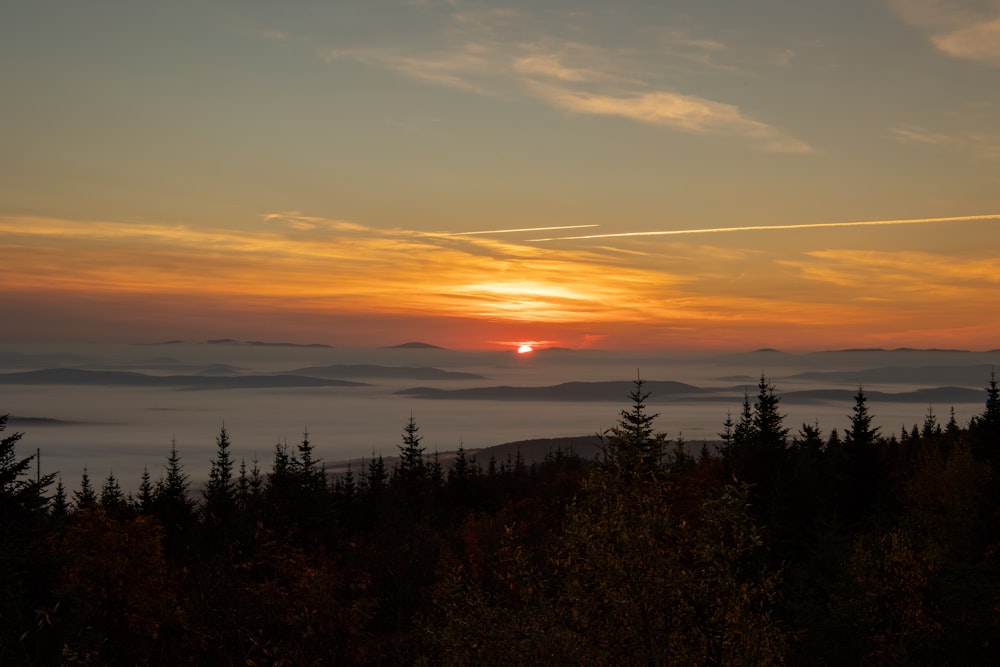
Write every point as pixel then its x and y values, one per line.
pixel 983 146
pixel 965 30
pixel 488 53
pixel 688 113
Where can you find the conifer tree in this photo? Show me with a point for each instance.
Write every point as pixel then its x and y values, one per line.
pixel 19 498
pixel 60 507
pixel 112 498
pixel 857 462
pixel 411 465
pixel 861 434
pixel 172 495
pixel 145 499
pixel 632 447
pixel 768 422
pixel 85 498
pixel 460 470
pixel 986 427
pixel 931 427
pixel 309 470
pixel 376 477
pixel 348 485
pixel 435 473
pixel 220 492
pixel 243 487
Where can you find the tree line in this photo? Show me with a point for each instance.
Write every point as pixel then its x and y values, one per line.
pixel 774 547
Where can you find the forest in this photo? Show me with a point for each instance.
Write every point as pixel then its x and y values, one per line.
pixel 777 546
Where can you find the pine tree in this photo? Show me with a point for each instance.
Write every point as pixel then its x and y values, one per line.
pixel 220 492
pixel 859 474
pixel 85 498
pixel 60 507
pixel 145 500
pixel 411 466
pixel 632 447
pixel 243 487
pixel 376 477
pixel 112 498
pixel 986 427
pixel 312 478
pixel 861 434
pixel 460 470
pixel 19 498
pixel 931 427
pixel 435 473
pixel 172 494
pixel 768 422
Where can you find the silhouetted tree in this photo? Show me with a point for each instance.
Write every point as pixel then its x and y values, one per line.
pixel 60 506
pixel 631 445
pixel 309 470
pixel 220 492
pixel 112 498
pixel 86 497
pixel 411 467
pixel 20 496
pixel 146 495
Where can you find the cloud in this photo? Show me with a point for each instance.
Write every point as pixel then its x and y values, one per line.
pixel 963 30
pixel 982 146
pixel 979 42
pixel 499 54
pixel 688 113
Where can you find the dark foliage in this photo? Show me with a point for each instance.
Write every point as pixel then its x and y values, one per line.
pixel 803 549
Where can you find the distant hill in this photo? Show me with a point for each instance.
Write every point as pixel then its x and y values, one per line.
pixel 75 376
pixel 373 371
pixel 259 343
pixel 415 345
pixel 567 391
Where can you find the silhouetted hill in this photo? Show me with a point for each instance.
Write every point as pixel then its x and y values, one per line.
pixel 260 343
pixel 567 391
pixel 966 376
pixel 374 371
pixel 74 376
pixel 414 345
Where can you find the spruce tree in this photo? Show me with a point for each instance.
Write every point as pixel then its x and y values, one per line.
pixel 861 434
pixel 145 499
pixel 632 447
pixel 85 498
pixel 59 507
pixel 311 476
pixel 112 498
pixel 20 496
pixel 172 495
pixel 986 427
pixel 411 466
pixel 220 492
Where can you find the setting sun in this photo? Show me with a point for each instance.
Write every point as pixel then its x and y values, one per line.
pixel 524 349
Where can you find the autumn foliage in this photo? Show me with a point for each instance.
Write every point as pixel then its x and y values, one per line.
pixel 772 548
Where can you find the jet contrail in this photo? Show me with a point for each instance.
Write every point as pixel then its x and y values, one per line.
pixel 758 228
pixel 525 229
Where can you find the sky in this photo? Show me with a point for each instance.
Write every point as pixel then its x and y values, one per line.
pixel 628 175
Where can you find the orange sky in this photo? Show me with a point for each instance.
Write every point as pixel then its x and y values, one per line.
pixel 473 174
pixel 307 279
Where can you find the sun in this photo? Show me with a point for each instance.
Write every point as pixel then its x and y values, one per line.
pixel 525 349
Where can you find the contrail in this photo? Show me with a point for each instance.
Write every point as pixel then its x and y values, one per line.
pixel 759 228
pixel 525 229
